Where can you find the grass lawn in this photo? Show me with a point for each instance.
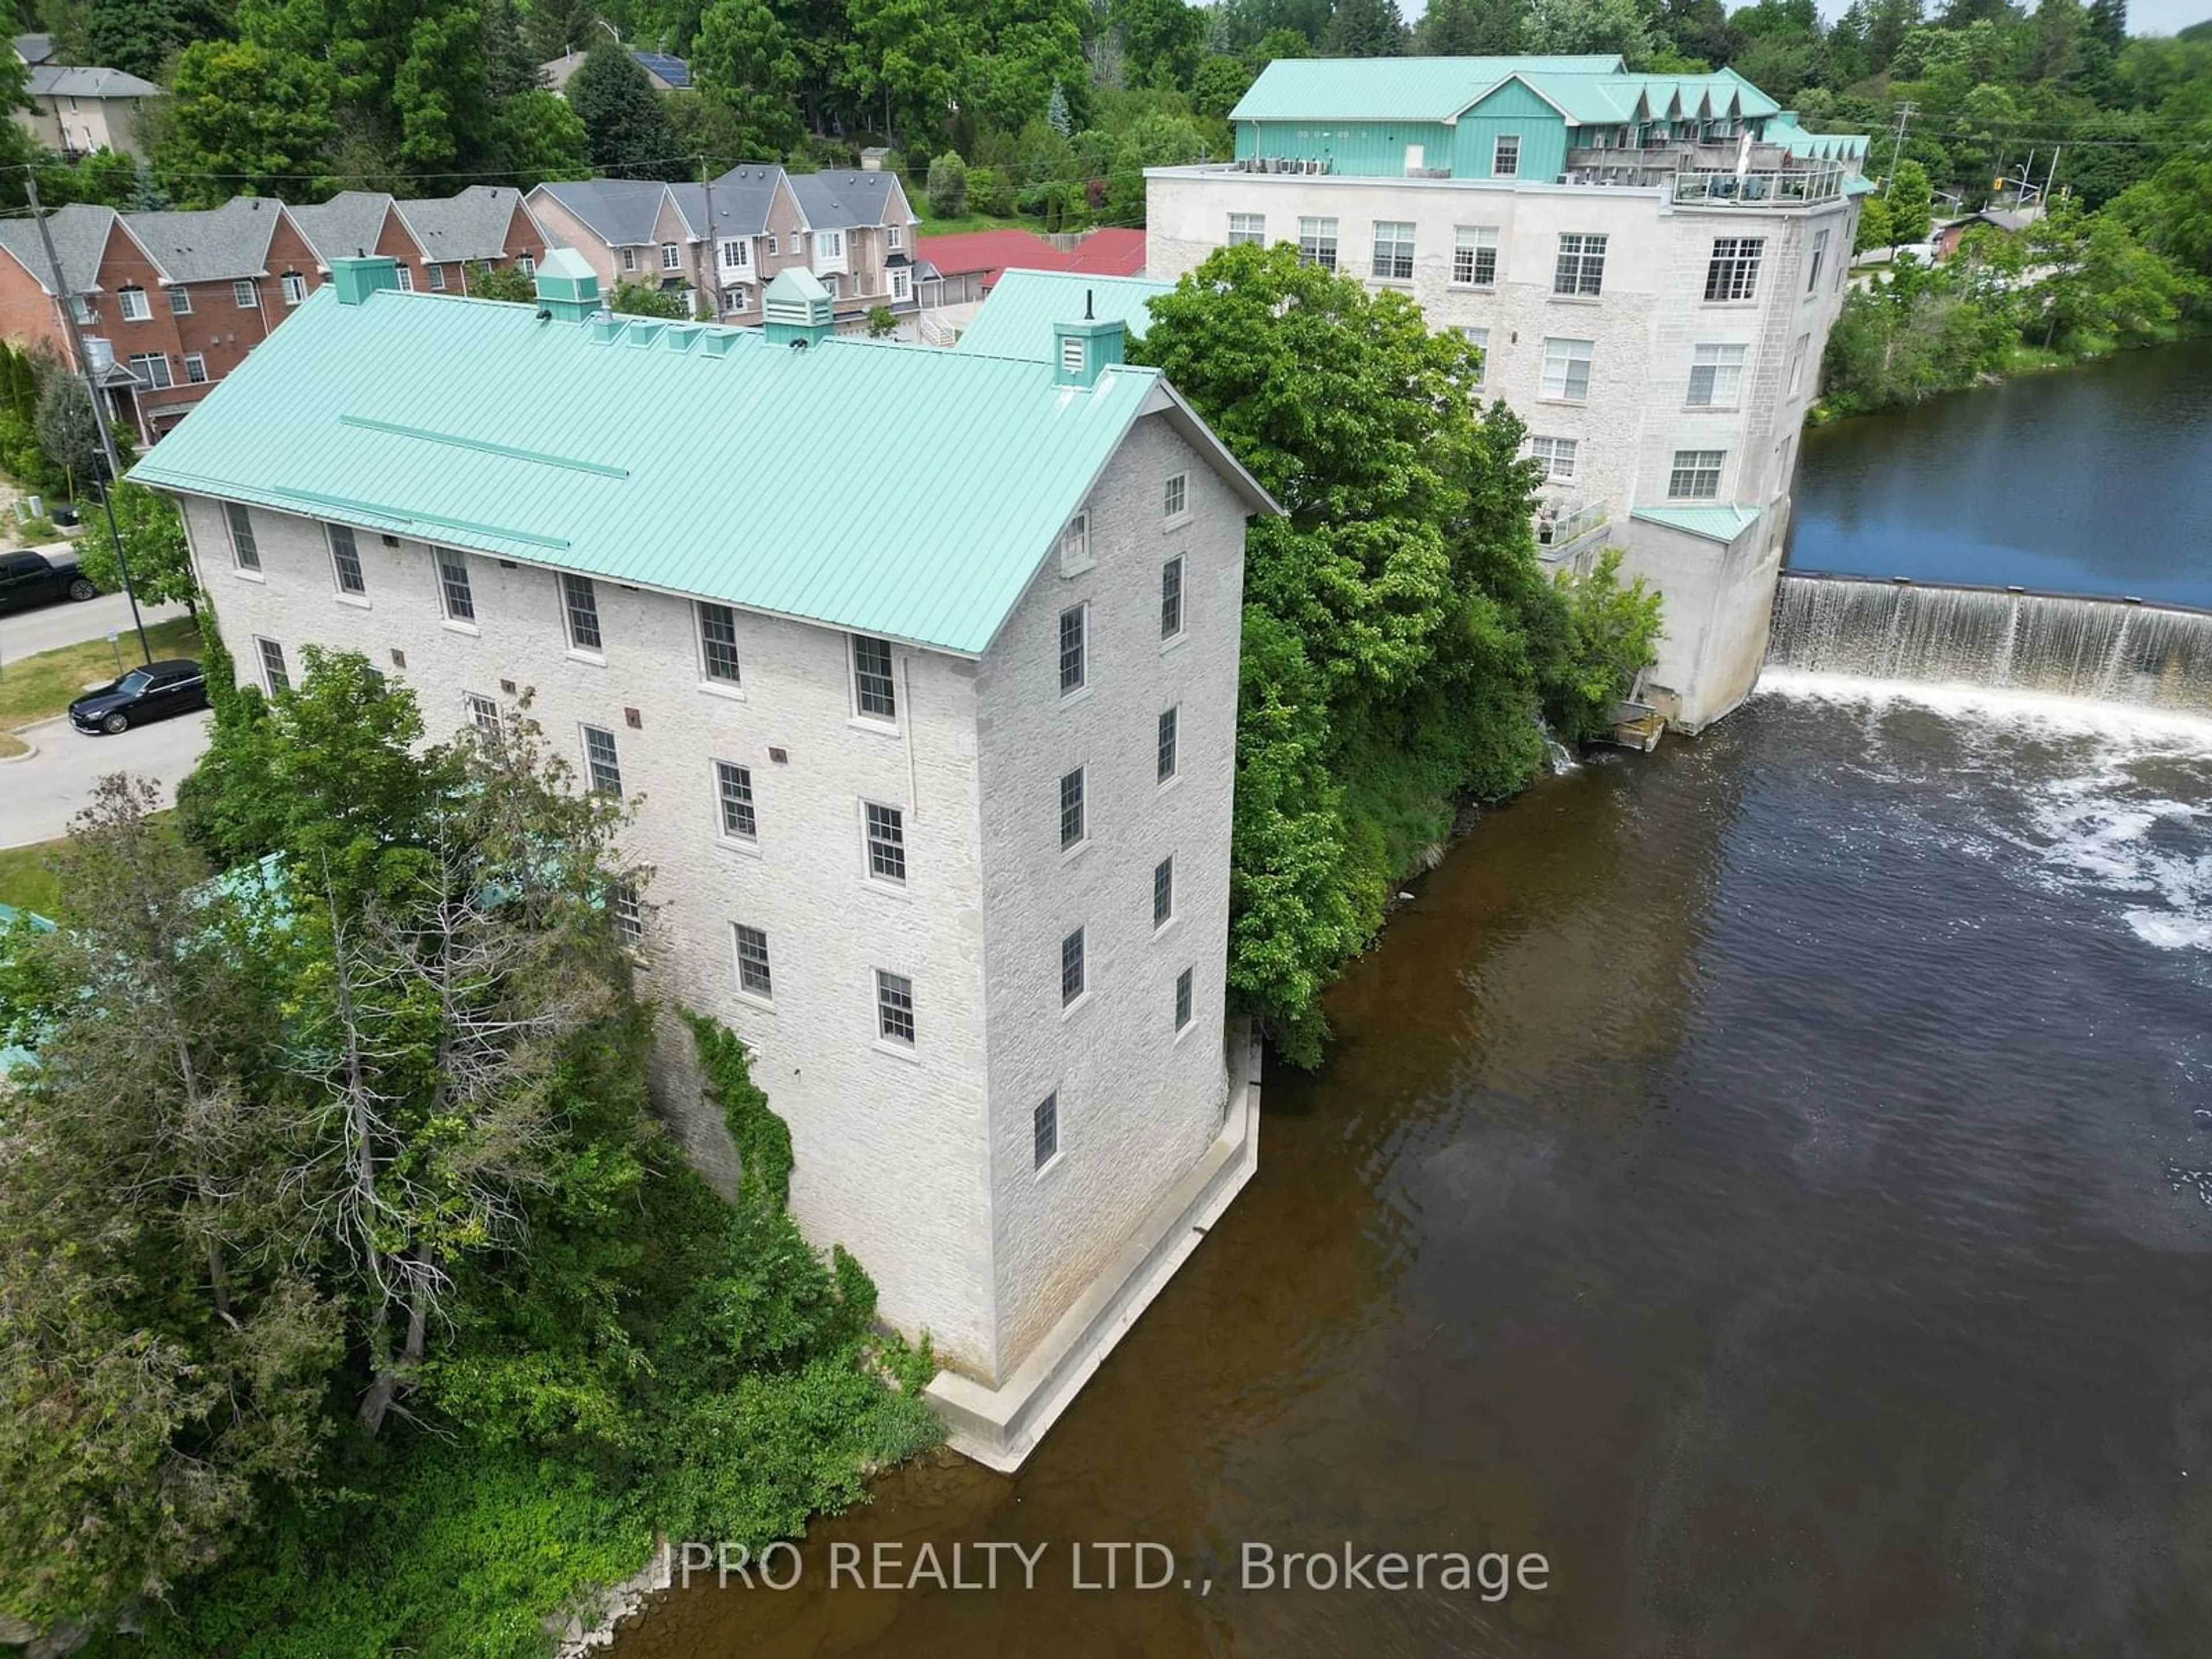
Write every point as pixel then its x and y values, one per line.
pixel 37 688
pixel 25 881
pixel 965 222
pixel 11 744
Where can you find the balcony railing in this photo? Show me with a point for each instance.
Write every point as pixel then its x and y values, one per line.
pixel 1558 528
pixel 1782 187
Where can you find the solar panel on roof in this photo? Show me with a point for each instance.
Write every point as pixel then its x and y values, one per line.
pixel 672 69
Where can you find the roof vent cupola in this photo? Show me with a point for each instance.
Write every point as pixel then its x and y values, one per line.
pixel 796 309
pixel 568 287
pixel 1084 350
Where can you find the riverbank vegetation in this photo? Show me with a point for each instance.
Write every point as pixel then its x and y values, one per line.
pixel 355 1301
pixel 1401 640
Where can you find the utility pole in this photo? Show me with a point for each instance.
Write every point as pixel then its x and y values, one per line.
pixel 67 301
pixel 2050 178
pixel 713 241
pixel 1906 112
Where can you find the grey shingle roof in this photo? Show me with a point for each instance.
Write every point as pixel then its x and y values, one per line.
pixel 471 225
pixel 620 211
pixel 63 80
pixel 80 231
pixel 218 244
pixel 348 224
pixel 35 48
pixel 742 199
pixel 841 200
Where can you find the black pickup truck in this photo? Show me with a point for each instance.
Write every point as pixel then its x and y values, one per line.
pixel 27 579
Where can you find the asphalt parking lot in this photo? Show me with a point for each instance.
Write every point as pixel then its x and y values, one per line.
pixel 40 794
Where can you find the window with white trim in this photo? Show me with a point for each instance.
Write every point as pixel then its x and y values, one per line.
pixel 244 551
pixel 1182 999
pixel 897 240
pixel 629 258
pixel 437 276
pixel 152 369
pixel 1733 273
pixel 754 975
pixel 1248 228
pixel 81 309
pixel 1797 356
pixel 454 591
pixel 1317 243
pixel 247 296
pixel 525 264
pixel 1177 496
pixel 1505 155
pixel 402 272
pixel 886 829
pixel 1163 892
pixel 901 283
pixel 1075 545
pixel 1696 475
pixel 627 912
pixel 895 1008
pixel 1479 339
pixel 1171 598
pixel 1044 1131
pixel 734 794
pixel 602 764
pixel 671 257
pixel 717 643
pixel 1071 809
pixel 1475 256
pixel 295 286
pixel 828 244
pixel 1394 250
pixel 132 301
pixel 737 254
pixel 195 369
pixel 1581 267
pixel 484 715
pixel 771 243
pixel 873 690
pixel 580 605
pixel 1073 666
pixel 1558 455
pixel 1170 719
pixel 275 676
pixel 1071 967
pixel 1716 376
pixel 181 300
pixel 345 559
pixel 1813 260
pixel 1567 369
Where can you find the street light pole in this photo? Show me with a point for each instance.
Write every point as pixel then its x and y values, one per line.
pixel 67 303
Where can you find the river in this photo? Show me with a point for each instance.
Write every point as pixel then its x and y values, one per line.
pixel 1771 1179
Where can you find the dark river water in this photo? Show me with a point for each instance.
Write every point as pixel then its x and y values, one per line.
pixel 1771 1178
pixel 2095 480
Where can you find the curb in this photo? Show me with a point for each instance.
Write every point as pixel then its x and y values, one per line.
pixel 30 751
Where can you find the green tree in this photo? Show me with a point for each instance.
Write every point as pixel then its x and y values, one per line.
pixel 510 70
pixel 1470 28
pixel 105 177
pixel 67 434
pixel 1614 633
pixel 882 323
pixel 554 28
pixel 1875 228
pixel 626 129
pixel 136 36
pixel 948 187
pixel 153 533
pixel 905 60
pixel 632 299
pixel 1911 201
pixel 242 118
pixel 1569 27
pixel 1363 29
pixel 537 136
pixel 1161 39
pixel 500 282
pixel 1153 139
pixel 1220 83
pixel 743 61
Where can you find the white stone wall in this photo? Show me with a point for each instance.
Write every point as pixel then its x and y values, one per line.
pixel 1139 1100
pixel 890 1143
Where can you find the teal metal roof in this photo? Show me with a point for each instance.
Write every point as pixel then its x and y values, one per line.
pixel 899 490
pixel 1715 524
pixel 1017 316
pixel 1390 88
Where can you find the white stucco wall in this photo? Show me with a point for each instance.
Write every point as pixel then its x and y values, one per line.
pixel 1139 1100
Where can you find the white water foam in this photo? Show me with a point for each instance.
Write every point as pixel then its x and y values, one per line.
pixel 2183 731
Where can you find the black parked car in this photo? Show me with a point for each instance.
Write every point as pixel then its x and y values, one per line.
pixel 27 579
pixel 152 693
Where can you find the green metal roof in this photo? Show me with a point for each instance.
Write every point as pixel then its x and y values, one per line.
pixel 1390 88
pixel 1715 524
pixel 899 490
pixel 1017 316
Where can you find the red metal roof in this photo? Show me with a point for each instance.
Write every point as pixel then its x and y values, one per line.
pixel 1109 252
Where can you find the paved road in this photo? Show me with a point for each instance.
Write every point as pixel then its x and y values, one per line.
pixel 40 795
pixel 22 632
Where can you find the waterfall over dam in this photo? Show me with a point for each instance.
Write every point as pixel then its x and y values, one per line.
pixel 2110 649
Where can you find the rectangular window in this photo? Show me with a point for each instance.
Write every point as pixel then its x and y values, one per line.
pixel 1182 999
pixel 525 264
pixel 484 715
pixel 1247 228
pixel 1071 967
pixel 1171 598
pixel 181 302
pixel 1075 545
pixel 1479 339
pixel 1475 256
pixel 345 559
pixel 629 913
pixel 671 257
pixel 1071 809
pixel 1558 455
pixel 902 283
pixel 1797 363
pixel 1317 243
pixel 1567 369
pixel 871 678
pixel 895 1007
pixel 629 258
pixel 1169 720
pixel 1071 631
pixel 771 244
pixel 152 369
pixel 1505 155
pixel 244 293
pixel 244 552
pixel 405 275
pixel 81 309
pixel 295 286
pixel 195 369
pixel 453 589
pixel 717 643
pixel 733 789
pixel 735 254
pixel 274 678
pixel 437 275
pixel 886 842
pixel 1813 261
pixel 829 243
pixel 601 764
pixel 1733 273
pixel 1164 891
pixel 753 973
pixel 132 301
pixel 1044 1131
pixel 1716 376
pixel 897 239
pixel 1581 269
pixel 580 603
pixel 1176 497
pixel 1394 250
pixel 1696 475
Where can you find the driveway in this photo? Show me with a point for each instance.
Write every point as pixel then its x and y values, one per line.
pixel 24 632
pixel 40 795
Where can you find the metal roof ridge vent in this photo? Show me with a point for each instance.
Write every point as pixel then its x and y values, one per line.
pixel 644 330
pixel 682 336
pixel 606 330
